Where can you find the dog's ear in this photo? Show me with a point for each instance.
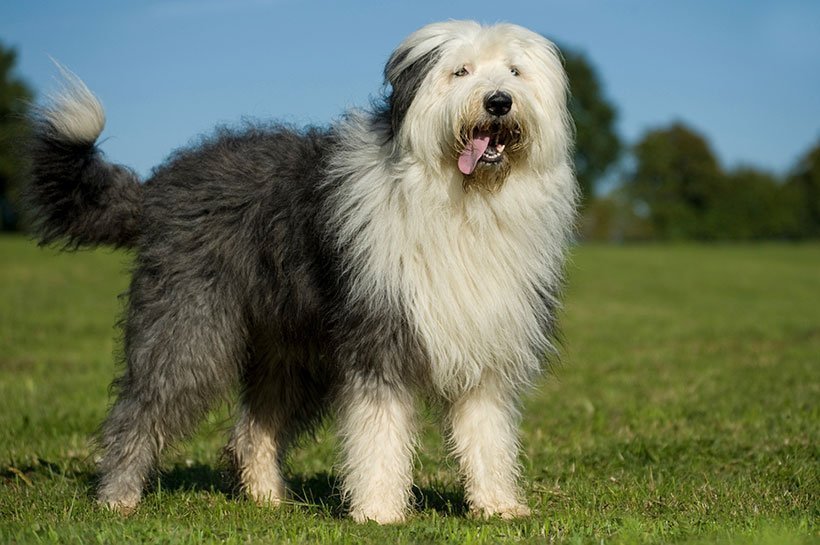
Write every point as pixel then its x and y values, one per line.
pixel 405 79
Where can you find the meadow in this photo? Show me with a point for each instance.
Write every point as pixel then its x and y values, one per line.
pixel 685 409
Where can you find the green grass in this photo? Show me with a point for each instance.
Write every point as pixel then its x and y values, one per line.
pixel 686 411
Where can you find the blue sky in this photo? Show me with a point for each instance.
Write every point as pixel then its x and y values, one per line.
pixel 745 73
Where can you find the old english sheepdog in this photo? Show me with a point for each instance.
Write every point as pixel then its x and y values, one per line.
pixel 410 252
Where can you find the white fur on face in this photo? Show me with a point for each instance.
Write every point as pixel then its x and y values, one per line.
pixel 499 58
pixel 470 268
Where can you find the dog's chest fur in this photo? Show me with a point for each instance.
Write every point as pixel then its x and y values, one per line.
pixel 471 293
pixel 471 271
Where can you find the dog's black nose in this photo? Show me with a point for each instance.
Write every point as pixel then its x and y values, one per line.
pixel 498 103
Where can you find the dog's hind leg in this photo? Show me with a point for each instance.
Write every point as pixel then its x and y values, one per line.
pixel 280 399
pixel 183 349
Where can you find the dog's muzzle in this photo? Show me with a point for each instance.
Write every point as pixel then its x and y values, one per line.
pixel 486 143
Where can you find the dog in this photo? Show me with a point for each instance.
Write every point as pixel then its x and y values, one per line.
pixel 412 251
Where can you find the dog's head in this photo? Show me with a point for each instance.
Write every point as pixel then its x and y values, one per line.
pixel 479 100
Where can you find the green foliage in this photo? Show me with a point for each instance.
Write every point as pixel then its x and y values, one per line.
pixel 679 184
pixel 15 97
pixel 804 185
pixel 613 218
pixel 676 176
pixel 749 204
pixel 597 145
pixel 685 412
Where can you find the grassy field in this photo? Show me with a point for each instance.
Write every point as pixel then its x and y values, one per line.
pixel 686 410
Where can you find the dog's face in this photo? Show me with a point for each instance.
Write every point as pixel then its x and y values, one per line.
pixel 478 101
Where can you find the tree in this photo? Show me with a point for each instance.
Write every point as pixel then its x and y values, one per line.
pixel 677 177
pixel 752 205
pixel 597 145
pixel 15 96
pixel 613 218
pixel 804 186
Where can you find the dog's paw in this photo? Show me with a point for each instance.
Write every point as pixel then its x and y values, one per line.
pixel 505 511
pixel 514 512
pixel 118 498
pixel 266 500
pixel 380 516
pixel 122 507
pixel 266 496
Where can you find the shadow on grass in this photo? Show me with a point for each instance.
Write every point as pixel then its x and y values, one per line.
pixel 196 478
pixel 319 491
pixel 445 500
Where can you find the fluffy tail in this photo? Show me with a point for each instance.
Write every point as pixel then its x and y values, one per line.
pixel 77 198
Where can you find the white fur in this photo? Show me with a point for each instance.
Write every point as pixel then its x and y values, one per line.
pixel 484 438
pixel 377 427
pixel 468 266
pixel 257 456
pixel 74 112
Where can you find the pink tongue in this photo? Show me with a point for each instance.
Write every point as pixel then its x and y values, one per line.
pixel 472 153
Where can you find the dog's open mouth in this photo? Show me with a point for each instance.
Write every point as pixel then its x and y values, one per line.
pixel 486 146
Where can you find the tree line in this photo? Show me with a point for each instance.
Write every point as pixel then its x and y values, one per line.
pixel 676 189
pixel 673 187
pixel 669 185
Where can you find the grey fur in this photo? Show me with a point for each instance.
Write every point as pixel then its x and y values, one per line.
pixel 233 272
pixel 77 198
pixel 405 83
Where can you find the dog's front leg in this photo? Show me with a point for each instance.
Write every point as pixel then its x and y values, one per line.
pixel 377 429
pixel 484 438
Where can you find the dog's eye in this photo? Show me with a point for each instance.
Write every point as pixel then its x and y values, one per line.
pixel 461 72
pixel 514 71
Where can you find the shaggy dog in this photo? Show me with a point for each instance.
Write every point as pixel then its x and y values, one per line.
pixel 412 251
